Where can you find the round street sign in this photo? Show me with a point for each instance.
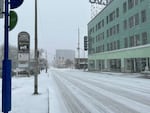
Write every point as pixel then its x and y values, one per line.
pixel 15 3
pixel 13 19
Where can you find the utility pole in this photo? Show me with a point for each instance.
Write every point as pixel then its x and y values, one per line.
pixel 46 62
pixel 78 61
pixel 36 54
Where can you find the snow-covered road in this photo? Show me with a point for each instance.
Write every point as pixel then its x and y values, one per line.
pixel 84 92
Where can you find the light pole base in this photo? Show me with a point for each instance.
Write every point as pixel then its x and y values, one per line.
pixel 6 86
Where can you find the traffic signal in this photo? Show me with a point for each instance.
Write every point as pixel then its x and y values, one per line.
pixel 85 43
pixel 15 3
pixel 13 15
pixel 13 20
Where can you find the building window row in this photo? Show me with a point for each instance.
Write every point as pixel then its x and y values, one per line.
pixel 143 16
pixel 131 41
pixel 135 40
pixel 100 49
pixel 113 45
pixel 91 31
pixel 134 20
pixel 131 4
pixel 93 40
pixel 113 30
pixel 100 37
pixel 100 25
pixel 112 15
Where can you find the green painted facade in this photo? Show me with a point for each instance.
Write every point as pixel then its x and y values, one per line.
pixel 110 37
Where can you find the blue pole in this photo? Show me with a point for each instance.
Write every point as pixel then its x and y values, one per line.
pixel 6 69
pixel 6 31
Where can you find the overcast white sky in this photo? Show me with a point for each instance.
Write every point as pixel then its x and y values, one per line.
pixel 58 22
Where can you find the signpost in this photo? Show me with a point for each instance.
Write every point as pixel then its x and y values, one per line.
pixel 23 42
pixel 23 50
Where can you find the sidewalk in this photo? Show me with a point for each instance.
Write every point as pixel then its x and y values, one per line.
pixel 23 100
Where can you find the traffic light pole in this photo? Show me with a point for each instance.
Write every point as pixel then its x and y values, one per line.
pixel 6 69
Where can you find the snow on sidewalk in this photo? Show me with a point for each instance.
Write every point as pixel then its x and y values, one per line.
pixel 23 100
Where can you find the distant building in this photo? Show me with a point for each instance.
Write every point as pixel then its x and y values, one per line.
pixel 64 58
pixel 119 37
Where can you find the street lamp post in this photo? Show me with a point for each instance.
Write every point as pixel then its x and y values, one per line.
pixel 36 53
pixel 6 70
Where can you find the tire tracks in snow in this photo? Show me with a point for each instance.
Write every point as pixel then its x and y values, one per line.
pixel 72 103
pixel 118 106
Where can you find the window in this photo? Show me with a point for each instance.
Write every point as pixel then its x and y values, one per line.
pixel 111 46
pixel 112 16
pixel 103 23
pixel 125 24
pixel 111 31
pixel 107 19
pixel 117 12
pixel 103 36
pixel 131 22
pixel 93 30
pixel 137 40
pixel 118 44
pixel 115 46
pixel 144 38
pixel 93 40
pixel 107 46
pixel 130 4
pixel 117 28
pixel 143 16
pixel 96 27
pixel 107 33
pixel 131 41
pixel 93 50
pixel 126 42
pixel 114 30
pixel 136 2
pixel 136 18
pixel 124 7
